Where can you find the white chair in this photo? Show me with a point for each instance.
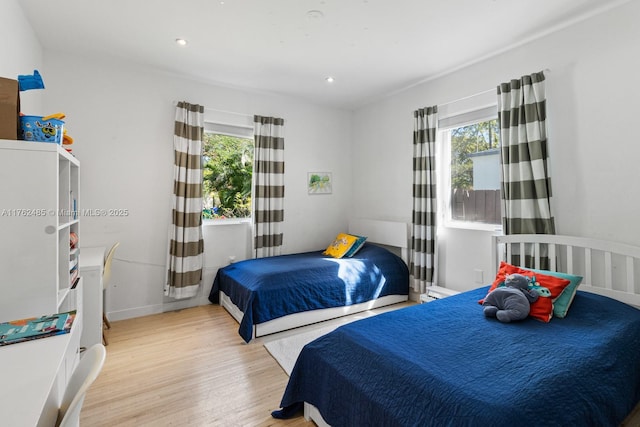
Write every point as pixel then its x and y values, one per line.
pixel 106 277
pixel 83 376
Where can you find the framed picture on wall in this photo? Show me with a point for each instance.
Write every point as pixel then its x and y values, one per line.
pixel 319 182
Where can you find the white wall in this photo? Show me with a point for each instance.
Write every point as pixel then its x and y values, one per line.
pixel 592 102
pixel 20 51
pixel 121 116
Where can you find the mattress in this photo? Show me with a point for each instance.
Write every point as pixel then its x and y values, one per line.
pixel 445 364
pixel 273 287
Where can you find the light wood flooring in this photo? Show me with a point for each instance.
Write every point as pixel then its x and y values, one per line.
pixel 185 368
pixel 190 368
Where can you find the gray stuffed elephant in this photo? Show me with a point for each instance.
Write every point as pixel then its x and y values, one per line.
pixel 511 301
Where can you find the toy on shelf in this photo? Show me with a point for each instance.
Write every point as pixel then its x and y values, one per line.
pixel 28 82
pixel 46 129
pixel 66 139
pixel 49 128
pixel 34 128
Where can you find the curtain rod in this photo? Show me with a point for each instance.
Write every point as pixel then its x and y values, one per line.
pixel 546 70
pixel 175 103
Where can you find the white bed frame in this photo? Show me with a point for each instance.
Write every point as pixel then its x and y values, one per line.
pixel 386 233
pixel 607 268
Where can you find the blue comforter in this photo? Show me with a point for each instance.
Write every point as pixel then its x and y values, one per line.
pixel 272 287
pixel 445 364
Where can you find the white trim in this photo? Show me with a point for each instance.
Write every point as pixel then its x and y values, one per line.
pixel 230 129
pixel 146 310
pixel 226 221
pixel 305 318
pixel 443 159
pixel 476 115
pixel 311 413
pixel 468 225
pixel 314 316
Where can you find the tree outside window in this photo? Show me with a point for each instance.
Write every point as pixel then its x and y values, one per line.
pixel 227 176
pixel 475 172
pixel 465 142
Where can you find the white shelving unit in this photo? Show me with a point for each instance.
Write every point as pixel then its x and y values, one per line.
pixel 38 212
pixel 40 186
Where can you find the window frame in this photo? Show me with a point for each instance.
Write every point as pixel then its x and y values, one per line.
pixel 236 131
pixel 443 164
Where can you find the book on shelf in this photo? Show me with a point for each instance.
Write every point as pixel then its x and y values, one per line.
pixel 73 239
pixel 74 276
pixel 22 330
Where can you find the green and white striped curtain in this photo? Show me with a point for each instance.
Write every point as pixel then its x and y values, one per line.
pixel 186 245
pixel 268 194
pixel 526 181
pixel 422 255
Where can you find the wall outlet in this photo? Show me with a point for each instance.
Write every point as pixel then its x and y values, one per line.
pixel 478 276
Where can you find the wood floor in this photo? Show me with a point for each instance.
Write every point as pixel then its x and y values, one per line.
pixel 190 368
pixel 185 368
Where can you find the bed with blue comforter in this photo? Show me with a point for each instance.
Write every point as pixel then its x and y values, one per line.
pixel 445 364
pixel 272 287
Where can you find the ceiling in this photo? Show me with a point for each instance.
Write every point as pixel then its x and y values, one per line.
pixel 371 47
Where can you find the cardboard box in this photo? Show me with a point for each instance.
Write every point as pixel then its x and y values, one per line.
pixel 9 108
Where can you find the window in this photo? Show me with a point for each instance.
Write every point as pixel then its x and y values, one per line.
pixel 227 172
pixel 471 173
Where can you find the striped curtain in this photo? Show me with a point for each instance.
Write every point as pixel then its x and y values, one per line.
pixel 526 182
pixel 422 253
pixel 268 194
pixel 186 245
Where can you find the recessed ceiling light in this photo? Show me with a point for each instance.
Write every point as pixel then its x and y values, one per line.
pixel 329 79
pixel 182 42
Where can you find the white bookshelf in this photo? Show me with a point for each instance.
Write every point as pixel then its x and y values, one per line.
pixel 39 183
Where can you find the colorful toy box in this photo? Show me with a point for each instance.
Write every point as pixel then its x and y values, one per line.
pixel 33 128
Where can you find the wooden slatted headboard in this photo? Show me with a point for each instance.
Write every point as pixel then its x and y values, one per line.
pixel 607 268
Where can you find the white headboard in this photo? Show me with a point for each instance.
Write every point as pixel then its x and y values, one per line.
pixel 388 233
pixel 608 268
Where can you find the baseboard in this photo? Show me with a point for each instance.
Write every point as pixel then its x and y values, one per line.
pixel 130 313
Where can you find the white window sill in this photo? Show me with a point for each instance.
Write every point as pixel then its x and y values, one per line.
pixel 473 226
pixel 228 221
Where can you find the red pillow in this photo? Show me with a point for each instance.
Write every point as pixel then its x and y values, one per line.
pixel 542 308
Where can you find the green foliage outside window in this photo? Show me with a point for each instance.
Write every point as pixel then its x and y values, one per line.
pixel 467 140
pixel 227 171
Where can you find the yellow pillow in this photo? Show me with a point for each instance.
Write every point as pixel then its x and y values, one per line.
pixel 340 245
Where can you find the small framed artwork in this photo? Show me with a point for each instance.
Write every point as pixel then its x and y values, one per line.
pixel 319 182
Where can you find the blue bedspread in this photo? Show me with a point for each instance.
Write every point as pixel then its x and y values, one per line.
pixel 445 364
pixel 272 287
